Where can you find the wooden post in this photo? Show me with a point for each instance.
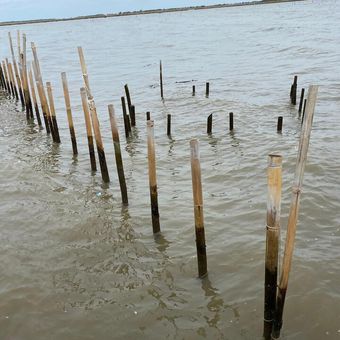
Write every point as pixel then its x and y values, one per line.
pixel 52 111
pixel 11 74
pixel 133 115
pixel 9 79
pixel 88 128
pixel 168 128
pixel 118 155
pixel 17 75
pixel 279 123
pixel 304 109
pixel 209 124
pixel 148 116
pixel 272 241
pixel 128 98
pixel 2 79
pixel 125 118
pixel 294 90
pixel 69 113
pixel 193 90
pixel 42 99
pixel 153 177
pixel 41 92
pixel 207 89
pixel 94 118
pixel 198 208
pixel 8 87
pixel 161 78
pixel 28 102
pixel 231 121
pixel 34 97
pixel 294 209
pixel 301 100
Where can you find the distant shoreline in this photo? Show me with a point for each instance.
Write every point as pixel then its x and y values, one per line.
pixel 143 12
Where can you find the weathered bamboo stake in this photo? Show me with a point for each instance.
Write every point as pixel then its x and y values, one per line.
pixel 88 128
pixel 11 74
pixel 94 119
pixel 279 123
pixel 2 78
pixel 125 118
pixel 69 113
pixel 17 75
pixel 198 208
pixel 9 89
pixel 153 177
pixel 193 90
pixel 294 90
pixel 118 155
pixel 34 97
pixel 28 102
pixel 133 115
pixel 301 100
pixel 207 89
pixel 304 109
pixel 53 113
pixel 209 124
pixel 168 125
pixel 8 73
pixel 43 101
pixel 18 43
pixel 272 241
pixel 231 121
pixel 161 78
pixel 128 98
pixel 294 209
pixel 148 116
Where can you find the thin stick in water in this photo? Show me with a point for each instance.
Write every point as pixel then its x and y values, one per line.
pixel 198 208
pixel 209 124
pixel 274 181
pixel 168 127
pixel 34 97
pixel 301 100
pixel 153 177
pixel 161 78
pixel 279 123
pixel 52 110
pixel 69 113
pixel 118 155
pixel 231 121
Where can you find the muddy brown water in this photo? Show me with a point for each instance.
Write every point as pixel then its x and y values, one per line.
pixel 75 264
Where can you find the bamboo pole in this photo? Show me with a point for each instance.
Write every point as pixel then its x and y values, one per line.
pixel 43 101
pixel 16 71
pixel 168 128
pixel 207 89
pixel 118 155
pixel 94 119
pixel 133 115
pixel 153 177
pixel 2 79
pixel 198 208
pixel 279 123
pixel 53 113
pixel 128 98
pixel 69 113
pixel 9 78
pixel 34 97
pixel 301 100
pixel 209 124
pixel 304 110
pixel 193 90
pixel 274 181
pixel 294 90
pixel 125 118
pixel 88 128
pixel 11 74
pixel 148 116
pixel 28 102
pixel 161 78
pixel 18 42
pixel 9 89
pixel 294 209
pixel 231 121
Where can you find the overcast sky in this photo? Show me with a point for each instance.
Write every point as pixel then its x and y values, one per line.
pixel 37 9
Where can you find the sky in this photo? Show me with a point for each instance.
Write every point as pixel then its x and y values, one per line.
pixel 11 10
